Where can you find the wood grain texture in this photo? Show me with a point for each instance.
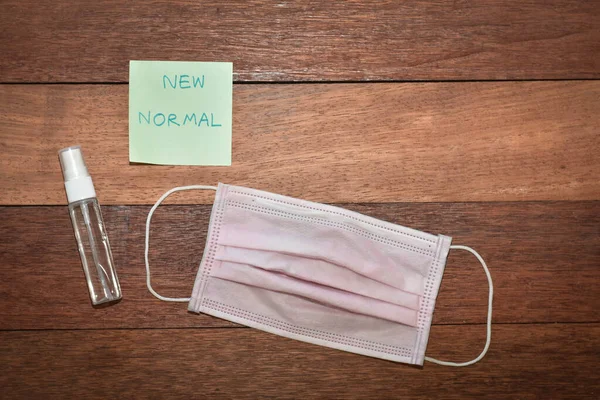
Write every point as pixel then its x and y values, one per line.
pixel 544 259
pixel 509 168
pixel 75 41
pixel 555 361
pixel 328 143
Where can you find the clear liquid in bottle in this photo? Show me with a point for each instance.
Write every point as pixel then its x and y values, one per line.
pixel 94 249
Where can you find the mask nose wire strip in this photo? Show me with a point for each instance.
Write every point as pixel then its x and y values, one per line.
pixel 489 314
pixel 154 207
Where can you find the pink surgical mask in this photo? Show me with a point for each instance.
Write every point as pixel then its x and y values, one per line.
pixel 320 274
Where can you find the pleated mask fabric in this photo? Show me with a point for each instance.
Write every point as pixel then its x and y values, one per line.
pixel 318 273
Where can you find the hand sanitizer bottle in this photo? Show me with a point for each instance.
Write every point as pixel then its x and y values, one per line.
pixel 88 225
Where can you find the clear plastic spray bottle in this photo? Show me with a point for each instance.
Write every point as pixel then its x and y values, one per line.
pixel 88 225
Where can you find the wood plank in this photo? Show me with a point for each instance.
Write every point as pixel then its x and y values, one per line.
pixel 309 40
pixel 544 258
pixel 328 143
pixel 525 361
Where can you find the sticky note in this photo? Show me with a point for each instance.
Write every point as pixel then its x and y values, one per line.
pixel 180 112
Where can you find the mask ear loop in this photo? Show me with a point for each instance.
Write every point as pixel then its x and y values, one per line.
pixel 154 207
pixel 489 314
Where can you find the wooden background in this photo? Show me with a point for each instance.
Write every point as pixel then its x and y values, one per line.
pixel 476 119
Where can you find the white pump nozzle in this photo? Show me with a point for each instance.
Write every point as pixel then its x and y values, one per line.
pixel 71 161
pixel 78 182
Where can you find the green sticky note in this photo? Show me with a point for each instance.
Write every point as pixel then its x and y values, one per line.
pixel 180 112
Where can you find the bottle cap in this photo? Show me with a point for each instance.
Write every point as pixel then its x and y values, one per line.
pixel 72 164
pixel 78 182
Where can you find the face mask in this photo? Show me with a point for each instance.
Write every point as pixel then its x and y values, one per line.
pixel 320 274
